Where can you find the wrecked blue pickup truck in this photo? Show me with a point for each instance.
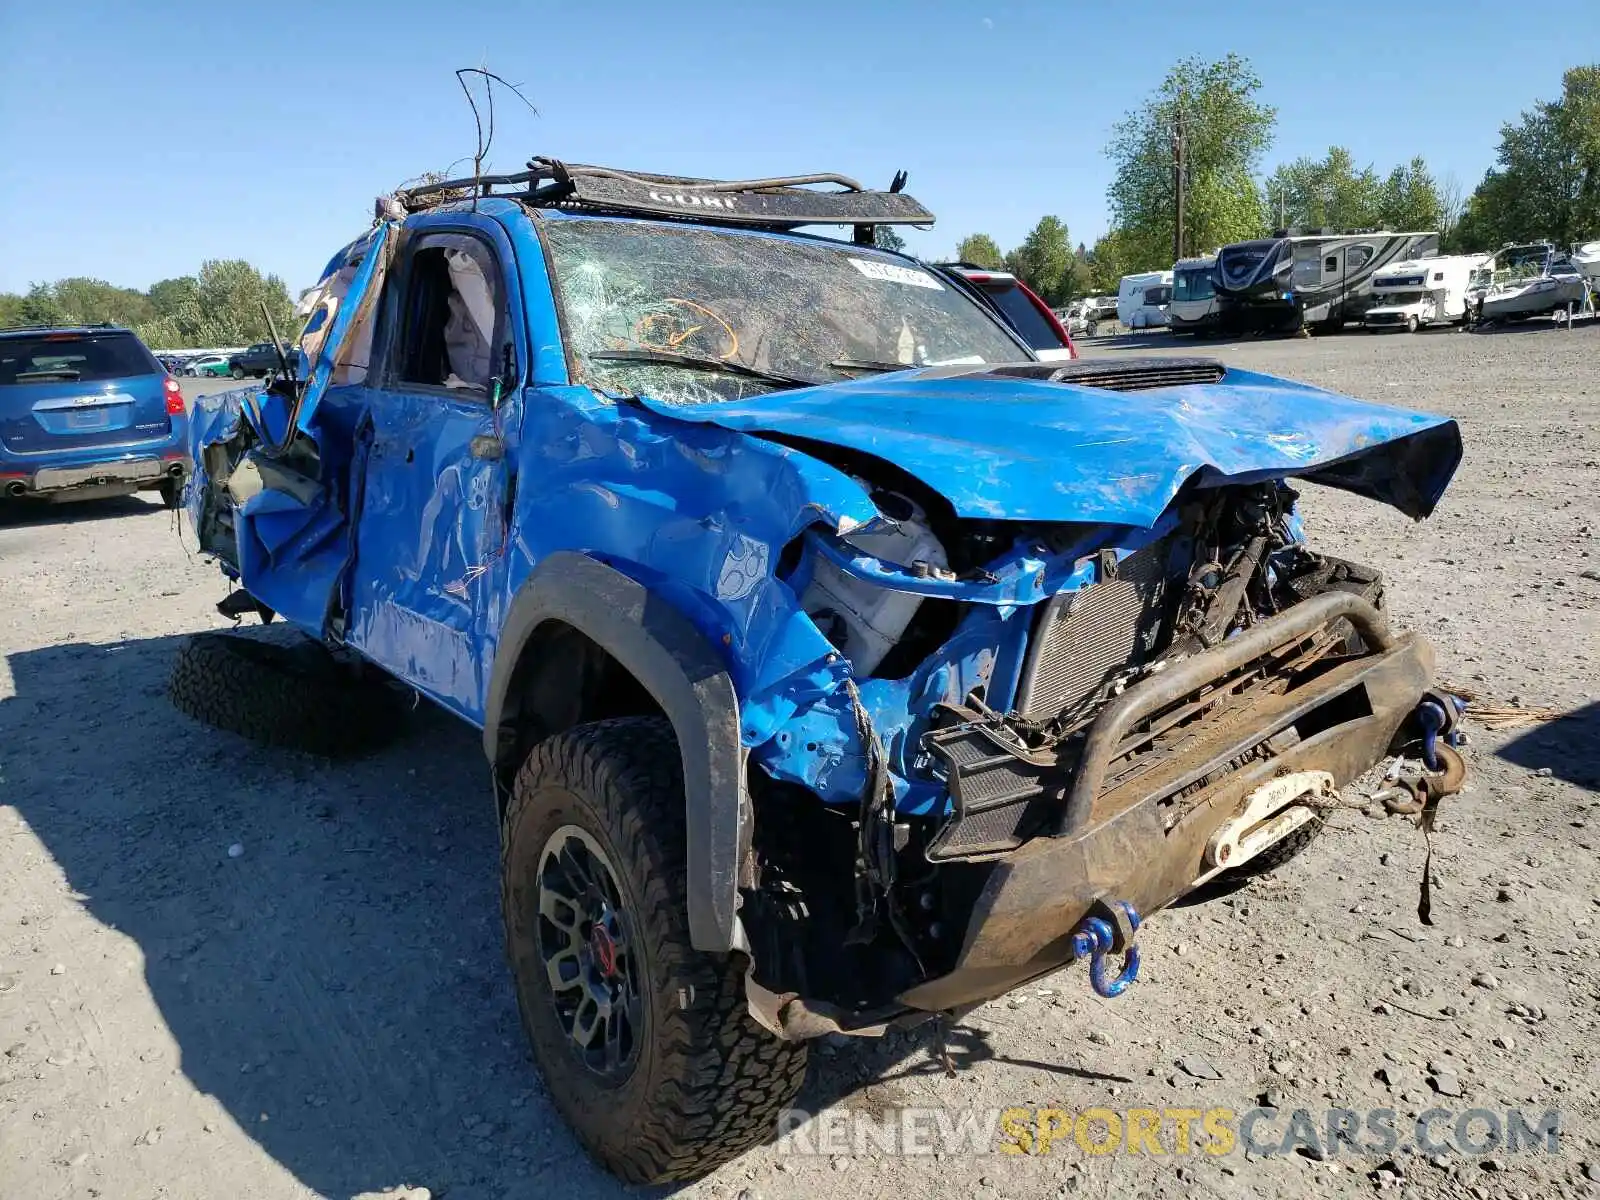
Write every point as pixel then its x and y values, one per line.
pixel 838 663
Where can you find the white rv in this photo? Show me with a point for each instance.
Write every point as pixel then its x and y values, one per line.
pixel 1142 299
pixel 1193 308
pixel 1422 291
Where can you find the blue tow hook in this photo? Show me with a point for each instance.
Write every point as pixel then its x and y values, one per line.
pixel 1438 713
pixel 1094 939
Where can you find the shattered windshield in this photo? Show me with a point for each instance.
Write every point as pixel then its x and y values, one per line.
pixel 690 315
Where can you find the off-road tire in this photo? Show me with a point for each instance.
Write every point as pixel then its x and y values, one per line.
pixel 708 1082
pixel 291 695
pixel 1277 854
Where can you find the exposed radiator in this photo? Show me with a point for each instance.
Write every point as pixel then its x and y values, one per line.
pixel 1084 639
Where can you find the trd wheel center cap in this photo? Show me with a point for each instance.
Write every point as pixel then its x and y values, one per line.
pixel 604 949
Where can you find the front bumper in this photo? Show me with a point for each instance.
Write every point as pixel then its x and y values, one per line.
pixel 1140 836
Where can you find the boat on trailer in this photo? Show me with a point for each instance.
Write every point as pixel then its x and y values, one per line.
pixel 1532 280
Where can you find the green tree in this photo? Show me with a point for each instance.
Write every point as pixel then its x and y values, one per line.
pixel 169 295
pixel 1225 132
pixel 219 307
pixel 886 237
pixel 1546 179
pixel 1109 261
pixel 225 309
pixel 94 301
pixel 1334 193
pixel 1044 261
pixel 1329 192
pixel 38 307
pixel 980 250
pixel 1412 199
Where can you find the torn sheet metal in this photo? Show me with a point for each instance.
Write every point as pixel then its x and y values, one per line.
pixel 1027 449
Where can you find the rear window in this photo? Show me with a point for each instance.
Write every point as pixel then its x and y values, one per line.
pixel 1024 317
pixel 66 358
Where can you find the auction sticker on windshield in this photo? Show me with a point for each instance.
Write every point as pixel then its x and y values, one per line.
pixel 893 274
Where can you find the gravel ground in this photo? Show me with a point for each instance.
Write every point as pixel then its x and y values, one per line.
pixel 231 971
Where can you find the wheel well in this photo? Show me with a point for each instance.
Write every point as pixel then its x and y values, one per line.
pixel 564 678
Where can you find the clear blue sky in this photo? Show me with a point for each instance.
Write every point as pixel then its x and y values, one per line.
pixel 141 138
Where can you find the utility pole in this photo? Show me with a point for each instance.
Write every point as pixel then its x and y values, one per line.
pixel 1179 163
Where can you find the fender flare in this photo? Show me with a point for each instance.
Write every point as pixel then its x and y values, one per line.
pixel 685 675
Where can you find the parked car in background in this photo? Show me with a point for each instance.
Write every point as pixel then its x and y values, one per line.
pixel 839 665
pixel 212 365
pixel 1019 307
pixel 1072 319
pixel 1100 308
pixel 86 411
pixel 259 360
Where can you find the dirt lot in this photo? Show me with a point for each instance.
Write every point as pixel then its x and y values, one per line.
pixel 232 972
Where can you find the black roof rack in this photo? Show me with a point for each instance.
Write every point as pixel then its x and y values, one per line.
pixel 781 203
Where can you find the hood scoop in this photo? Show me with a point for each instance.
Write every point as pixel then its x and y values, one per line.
pixel 1142 375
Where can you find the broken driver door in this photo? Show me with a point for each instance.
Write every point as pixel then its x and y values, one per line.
pixel 282 466
pixel 437 484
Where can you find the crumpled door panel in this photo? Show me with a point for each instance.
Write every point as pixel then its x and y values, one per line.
pixel 427 579
pixel 272 488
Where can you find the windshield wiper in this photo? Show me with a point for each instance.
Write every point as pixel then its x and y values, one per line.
pixel 857 364
pixel 64 373
pixel 670 358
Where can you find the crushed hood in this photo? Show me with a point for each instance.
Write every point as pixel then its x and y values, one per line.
pixel 1032 449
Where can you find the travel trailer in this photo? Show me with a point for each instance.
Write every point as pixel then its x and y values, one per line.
pixel 1425 291
pixel 1142 299
pixel 1519 282
pixel 1193 307
pixel 1320 279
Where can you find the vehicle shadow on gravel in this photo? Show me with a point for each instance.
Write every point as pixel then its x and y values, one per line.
pixel 17 514
pixel 322 938
pixel 860 1073
pixel 1532 325
pixel 1568 747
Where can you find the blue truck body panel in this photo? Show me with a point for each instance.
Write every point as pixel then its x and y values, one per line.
pixel 422 541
